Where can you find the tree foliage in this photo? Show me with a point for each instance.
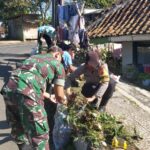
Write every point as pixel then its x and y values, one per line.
pixel 98 3
pixel 11 8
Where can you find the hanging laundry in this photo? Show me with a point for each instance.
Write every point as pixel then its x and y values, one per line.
pixel 72 10
pixel 60 14
pixel 63 32
pixel 71 15
pixel 82 23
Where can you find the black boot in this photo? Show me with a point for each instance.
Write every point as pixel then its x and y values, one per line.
pixel 102 109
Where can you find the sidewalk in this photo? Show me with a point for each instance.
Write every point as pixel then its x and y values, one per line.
pixel 132 105
pixel 135 94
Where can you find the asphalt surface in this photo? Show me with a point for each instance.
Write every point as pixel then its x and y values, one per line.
pixel 11 52
pixel 129 103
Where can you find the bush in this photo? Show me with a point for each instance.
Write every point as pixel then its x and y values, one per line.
pixel 143 76
pixel 114 64
pixel 131 72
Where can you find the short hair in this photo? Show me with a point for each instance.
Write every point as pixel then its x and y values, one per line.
pixel 72 47
pixel 55 49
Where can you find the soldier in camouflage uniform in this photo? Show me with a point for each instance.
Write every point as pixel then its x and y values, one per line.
pixel 24 94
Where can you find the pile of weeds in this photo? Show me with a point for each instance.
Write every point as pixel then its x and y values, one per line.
pixel 95 128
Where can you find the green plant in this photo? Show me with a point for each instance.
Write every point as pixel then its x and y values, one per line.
pixel 80 56
pixel 131 72
pixel 105 54
pixel 93 127
pixel 143 76
pixel 114 64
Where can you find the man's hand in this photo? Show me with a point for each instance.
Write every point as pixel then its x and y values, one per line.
pixel 68 91
pixel 46 95
pixel 50 97
pixel 65 101
pixel 69 94
pixel 71 97
pixel 53 98
pixel 91 99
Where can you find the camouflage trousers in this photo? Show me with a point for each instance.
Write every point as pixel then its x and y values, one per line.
pixel 28 120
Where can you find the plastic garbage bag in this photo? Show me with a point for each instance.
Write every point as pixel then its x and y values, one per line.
pixel 114 78
pixel 61 131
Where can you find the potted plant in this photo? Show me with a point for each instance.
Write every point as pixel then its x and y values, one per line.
pixel 131 72
pixel 144 78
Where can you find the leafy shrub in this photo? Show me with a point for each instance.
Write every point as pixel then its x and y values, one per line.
pixel 93 127
pixel 143 76
pixel 131 72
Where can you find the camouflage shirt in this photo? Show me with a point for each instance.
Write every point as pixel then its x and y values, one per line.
pixel 35 74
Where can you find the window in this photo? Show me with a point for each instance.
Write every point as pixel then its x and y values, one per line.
pixel 143 54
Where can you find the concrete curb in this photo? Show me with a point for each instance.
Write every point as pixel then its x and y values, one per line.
pixel 140 90
pixel 131 98
pixel 10 42
pixel 15 42
pixel 144 92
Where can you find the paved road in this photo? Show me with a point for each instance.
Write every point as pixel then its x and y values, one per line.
pixel 9 55
pixel 15 50
pixel 12 53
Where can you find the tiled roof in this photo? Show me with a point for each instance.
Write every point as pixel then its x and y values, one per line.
pixel 129 18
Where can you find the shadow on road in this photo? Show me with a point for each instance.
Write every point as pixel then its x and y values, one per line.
pixel 14 55
pixel 4 125
pixel 6 136
pixel 5 71
pixel 5 139
pixel 8 66
pixel 14 60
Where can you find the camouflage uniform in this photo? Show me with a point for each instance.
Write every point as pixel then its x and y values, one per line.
pixel 23 95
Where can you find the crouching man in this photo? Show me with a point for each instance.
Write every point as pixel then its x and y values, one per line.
pixel 97 88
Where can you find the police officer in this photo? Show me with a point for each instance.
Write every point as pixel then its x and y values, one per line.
pixel 97 88
pixel 24 95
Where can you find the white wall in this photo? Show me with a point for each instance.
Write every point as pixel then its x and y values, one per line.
pixel 127 53
pixel 30 33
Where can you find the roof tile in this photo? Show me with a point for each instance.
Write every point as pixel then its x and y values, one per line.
pixel 131 17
